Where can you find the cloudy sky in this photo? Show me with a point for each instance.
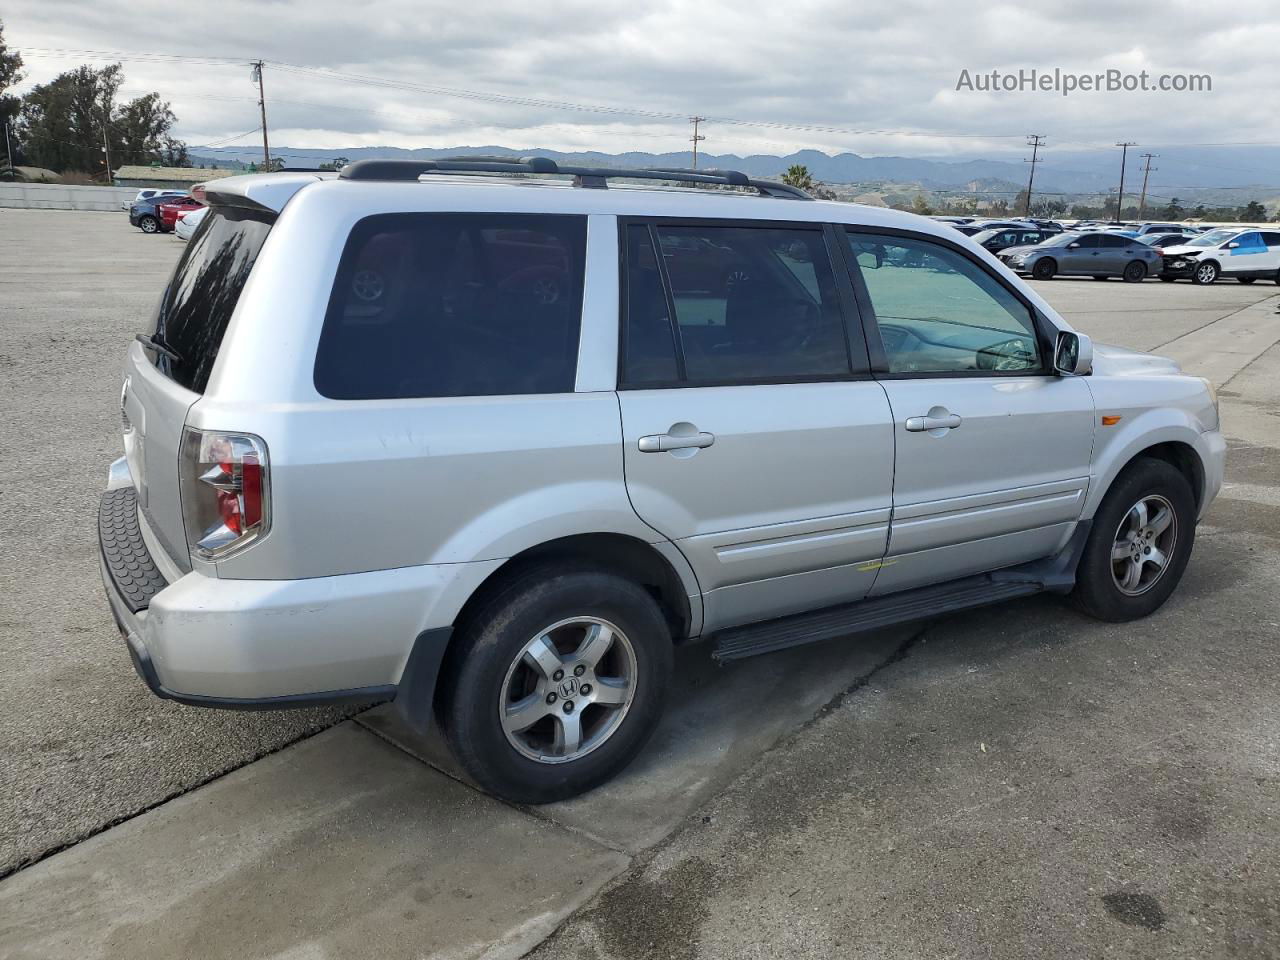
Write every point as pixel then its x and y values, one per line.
pixel 874 78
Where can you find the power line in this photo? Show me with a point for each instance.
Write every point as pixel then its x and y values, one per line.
pixel 1034 140
pixel 695 138
pixel 1146 173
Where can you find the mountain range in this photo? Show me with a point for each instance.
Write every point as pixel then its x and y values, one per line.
pixel 1180 171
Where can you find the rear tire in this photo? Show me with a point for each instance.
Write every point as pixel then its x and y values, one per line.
pixel 1135 272
pixel 1204 273
pixel 1044 269
pixel 1245 280
pixel 149 225
pixel 1139 543
pixel 514 709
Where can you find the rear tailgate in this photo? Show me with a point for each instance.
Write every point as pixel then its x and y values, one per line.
pixel 160 389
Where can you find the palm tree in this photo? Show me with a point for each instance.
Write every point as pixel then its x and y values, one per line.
pixel 798 176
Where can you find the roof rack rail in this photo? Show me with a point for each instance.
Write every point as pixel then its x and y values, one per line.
pixel 586 177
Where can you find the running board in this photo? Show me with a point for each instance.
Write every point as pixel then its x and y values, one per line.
pixel 922 603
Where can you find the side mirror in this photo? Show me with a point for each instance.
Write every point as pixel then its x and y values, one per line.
pixel 1232 245
pixel 1073 246
pixel 1073 354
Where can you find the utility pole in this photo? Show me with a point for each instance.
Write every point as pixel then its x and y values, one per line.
pixel 1034 141
pixel 8 148
pixel 1124 156
pixel 262 105
pixel 1142 204
pixel 106 143
pixel 696 137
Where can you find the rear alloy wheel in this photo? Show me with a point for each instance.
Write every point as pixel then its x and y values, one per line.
pixel 1205 273
pixel 1044 269
pixel 149 225
pixel 1135 272
pixel 1245 279
pixel 557 683
pixel 1139 543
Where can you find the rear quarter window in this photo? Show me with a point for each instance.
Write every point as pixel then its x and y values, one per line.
pixel 197 305
pixel 453 305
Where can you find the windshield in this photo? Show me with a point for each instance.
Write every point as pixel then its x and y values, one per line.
pixel 198 303
pixel 1212 238
pixel 1061 240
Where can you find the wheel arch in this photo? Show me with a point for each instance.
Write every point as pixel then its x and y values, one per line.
pixel 1178 453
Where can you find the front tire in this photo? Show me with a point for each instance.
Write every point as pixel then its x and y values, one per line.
pixel 557 683
pixel 1044 269
pixel 1135 272
pixel 1245 280
pixel 149 225
pixel 1139 543
pixel 1204 273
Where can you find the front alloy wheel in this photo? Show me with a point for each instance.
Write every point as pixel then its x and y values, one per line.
pixel 1144 542
pixel 568 690
pixel 1205 273
pixel 149 225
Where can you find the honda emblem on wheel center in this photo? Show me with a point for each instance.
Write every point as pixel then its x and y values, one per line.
pixel 569 687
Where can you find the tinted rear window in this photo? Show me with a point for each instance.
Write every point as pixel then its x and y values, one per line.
pixel 453 305
pixel 198 303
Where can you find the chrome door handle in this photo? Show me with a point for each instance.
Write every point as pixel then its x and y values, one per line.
pixel 921 424
pixel 662 442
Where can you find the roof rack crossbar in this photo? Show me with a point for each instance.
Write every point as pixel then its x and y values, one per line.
pixel 587 177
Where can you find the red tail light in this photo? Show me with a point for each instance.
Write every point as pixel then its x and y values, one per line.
pixel 225 495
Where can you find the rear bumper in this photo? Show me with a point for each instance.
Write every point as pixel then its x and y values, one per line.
pixel 267 644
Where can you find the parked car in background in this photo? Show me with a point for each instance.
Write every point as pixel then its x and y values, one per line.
pixel 148 193
pixel 1162 240
pixel 997 240
pixel 188 221
pixel 1048 226
pixel 377 450
pixel 1098 255
pixel 145 214
pixel 170 208
pixel 1243 254
pixel 1146 228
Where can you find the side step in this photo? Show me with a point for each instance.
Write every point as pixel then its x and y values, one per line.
pixel 737 643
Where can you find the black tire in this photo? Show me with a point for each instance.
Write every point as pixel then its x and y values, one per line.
pixel 1168 279
pixel 149 225
pixel 1044 269
pixel 1245 280
pixel 1101 276
pixel 1203 274
pixel 1135 271
pixel 1097 591
pixel 489 645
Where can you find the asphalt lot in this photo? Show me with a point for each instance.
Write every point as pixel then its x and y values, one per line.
pixel 1016 781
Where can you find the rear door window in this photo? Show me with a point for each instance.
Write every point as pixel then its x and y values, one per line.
pixel 453 305
pixel 198 303
pixel 751 304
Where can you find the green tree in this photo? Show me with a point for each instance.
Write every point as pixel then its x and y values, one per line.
pixel 1252 212
pixel 10 74
pixel 337 163
pixel 798 176
pixel 66 123
pixel 1174 211
pixel 921 206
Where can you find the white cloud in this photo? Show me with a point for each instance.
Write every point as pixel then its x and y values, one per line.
pixel 852 65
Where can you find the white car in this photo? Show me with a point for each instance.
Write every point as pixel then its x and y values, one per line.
pixel 187 223
pixel 1243 253
pixel 148 193
pixel 492 445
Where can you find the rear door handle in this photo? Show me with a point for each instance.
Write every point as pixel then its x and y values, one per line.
pixel 662 442
pixel 922 424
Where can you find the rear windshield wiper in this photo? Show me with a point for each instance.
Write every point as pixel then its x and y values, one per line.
pixel 158 345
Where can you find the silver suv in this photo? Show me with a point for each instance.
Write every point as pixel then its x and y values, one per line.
pixel 492 445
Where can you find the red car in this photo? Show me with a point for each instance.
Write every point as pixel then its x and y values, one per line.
pixel 169 211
